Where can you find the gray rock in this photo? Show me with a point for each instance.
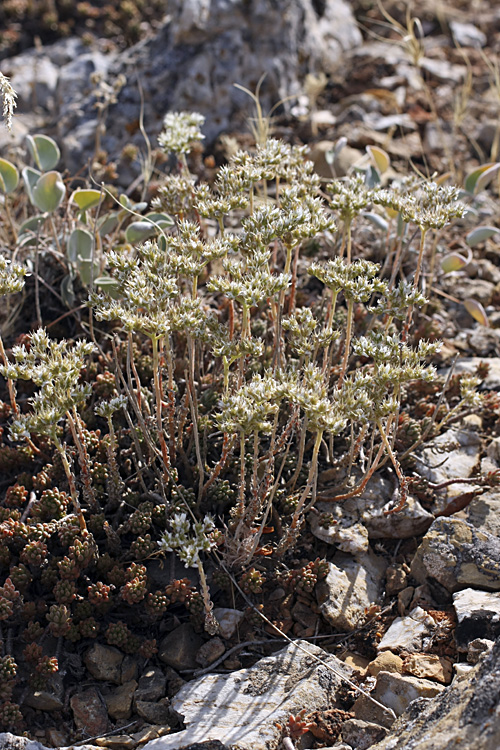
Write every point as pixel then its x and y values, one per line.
pixel 119 702
pixel 457 555
pixel 178 648
pixel 478 615
pixel 465 715
pixel 241 709
pixel 51 698
pixel 155 712
pixel 477 648
pixel 397 691
pixel 210 652
pixel 9 741
pixel 484 512
pixel 452 455
pixel 369 510
pixel 104 663
pixel 467 35
pixel 366 710
pixel 345 532
pixel 408 633
pixel 34 78
pixel 152 685
pixel 228 620
pixel 349 588
pixel 362 734
pixel 129 669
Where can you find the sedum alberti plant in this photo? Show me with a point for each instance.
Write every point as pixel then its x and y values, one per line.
pixel 234 347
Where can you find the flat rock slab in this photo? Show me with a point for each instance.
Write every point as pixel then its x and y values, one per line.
pixel 241 709
pixel 10 741
pixel 408 633
pixel 452 455
pixel 457 555
pixel 478 615
pixel 484 512
pixel 349 588
pixel 465 715
pixel 397 691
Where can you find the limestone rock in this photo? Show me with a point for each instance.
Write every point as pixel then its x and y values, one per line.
pixel 228 620
pixel 241 709
pixel 34 78
pixel 465 715
pixel 366 710
pixel 386 661
pixel 398 691
pixel 430 667
pixel 458 556
pixel 104 663
pixel 395 579
pixel 357 663
pixel 458 462
pixel 178 648
pixel 484 512
pixel 345 532
pixel 476 649
pixel 368 510
pixel 350 586
pixel 408 633
pixel 9 741
pixel 478 615
pixel 362 734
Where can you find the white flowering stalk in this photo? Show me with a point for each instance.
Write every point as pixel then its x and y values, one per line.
pixel 181 130
pixel 9 97
pixel 188 540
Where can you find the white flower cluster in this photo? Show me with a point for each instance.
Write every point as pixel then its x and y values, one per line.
pixel 188 539
pixel 181 130
pixel 11 276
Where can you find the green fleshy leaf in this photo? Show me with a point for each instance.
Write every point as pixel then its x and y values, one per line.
pixel 377 220
pixel 80 243
pixel 44 150
pixel 86 199
pixel 30 177
pixel 9 176
pixel 49 192
pixel 480 235
pixel 139 231
pixel 107 223
pixel 67 291
pixel 480 177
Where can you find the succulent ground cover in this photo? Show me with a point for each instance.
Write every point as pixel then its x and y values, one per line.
pixel 188 374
